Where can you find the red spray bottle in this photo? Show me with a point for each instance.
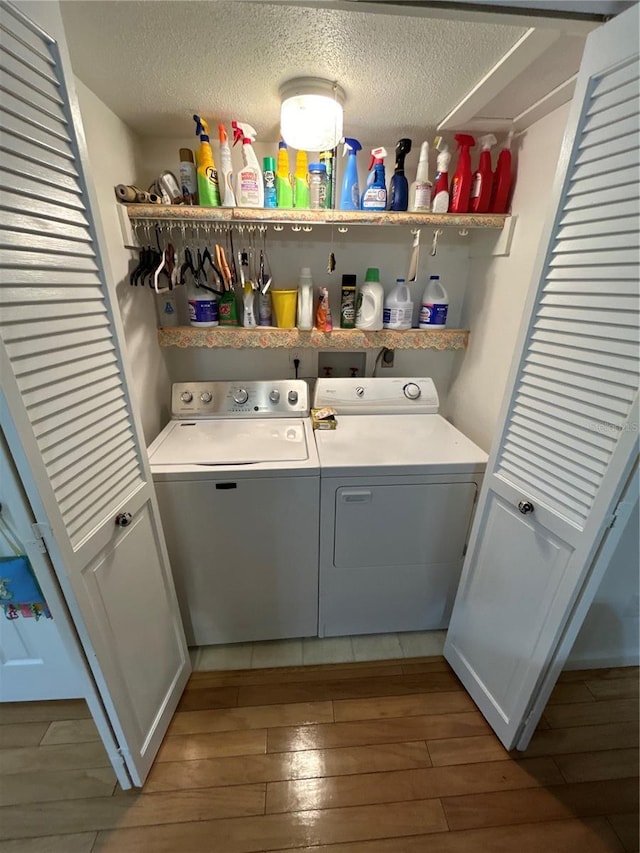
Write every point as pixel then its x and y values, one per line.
pixel 483 177
pixel 502 179
pixel 461 184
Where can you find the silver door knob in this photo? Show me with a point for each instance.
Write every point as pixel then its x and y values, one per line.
pixel 240 395
pixel 525 507
pixel 124 519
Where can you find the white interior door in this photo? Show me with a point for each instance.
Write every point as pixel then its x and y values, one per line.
pixel 568 435
pixel 66 409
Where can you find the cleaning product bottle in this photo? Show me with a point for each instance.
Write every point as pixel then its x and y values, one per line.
pixel 188 177
pixel 318 186
pixel 305 300
pixel 269 175
pixel 375 195
pixel 348 302
pixel 208 189
pixel 398 307
pixel 483 177
pixel 324 322
pixel 228 195
pixel 203 306
pixel 434 305
pixel 420 189
pixel 301 182
pixel 502 179
pixel 370 304
pixel 440 192
pixel 326 157
pixel 264 309
pixel 249 189
pixel 284 188
pixel 398 186
pixel 350 195
pixel 461 183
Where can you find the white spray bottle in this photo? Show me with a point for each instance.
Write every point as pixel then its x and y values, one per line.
pixel 229 199
pixel 249 186
pixel 440 193
pixel 420 189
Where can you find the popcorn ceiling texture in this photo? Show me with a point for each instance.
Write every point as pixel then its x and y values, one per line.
pixel 156 62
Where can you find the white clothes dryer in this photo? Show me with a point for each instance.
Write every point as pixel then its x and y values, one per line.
pixel 398 486
pixel 236 473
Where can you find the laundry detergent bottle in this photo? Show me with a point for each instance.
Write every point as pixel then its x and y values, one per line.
pixel 370 302
pixel 350 195
pixel 434 305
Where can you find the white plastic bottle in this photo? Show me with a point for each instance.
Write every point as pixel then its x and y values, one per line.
pixel 370 302
pixel 434 305
pixel 398 307
pixel 305 300
pixel 203 307
pixel 420 189
pixel 249 185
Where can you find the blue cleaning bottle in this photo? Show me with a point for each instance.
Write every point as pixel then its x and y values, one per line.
pixel 350 195
pixel 398 186
pixel 375 195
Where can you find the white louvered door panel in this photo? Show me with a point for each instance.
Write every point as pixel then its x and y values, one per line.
pixel 66 393
pixel 568 429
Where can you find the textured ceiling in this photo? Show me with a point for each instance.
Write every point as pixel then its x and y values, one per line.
pixel 155 63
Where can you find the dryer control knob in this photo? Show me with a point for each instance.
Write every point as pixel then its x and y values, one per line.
pixel 186 396
pixel 206 397
pixel 240 395
pixel 274 395
pixel 412 391
pixel 292 397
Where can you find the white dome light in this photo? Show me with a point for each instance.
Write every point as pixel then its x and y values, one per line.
pixel 311 114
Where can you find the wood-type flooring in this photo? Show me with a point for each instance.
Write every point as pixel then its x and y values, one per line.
pixel 388 757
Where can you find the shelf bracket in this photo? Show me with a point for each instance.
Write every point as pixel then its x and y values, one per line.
pixel 498 245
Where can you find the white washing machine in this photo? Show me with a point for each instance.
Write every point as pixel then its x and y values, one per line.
pixel 398 485
pixel 237 478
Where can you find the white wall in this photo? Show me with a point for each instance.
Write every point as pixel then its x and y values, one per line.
pixel 497 288
pixel 113 149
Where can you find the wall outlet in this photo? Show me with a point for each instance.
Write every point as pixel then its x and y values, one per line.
pixel 388 357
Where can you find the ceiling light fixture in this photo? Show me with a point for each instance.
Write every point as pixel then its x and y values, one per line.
pixel 311 113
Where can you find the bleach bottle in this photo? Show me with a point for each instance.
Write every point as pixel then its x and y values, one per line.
pixel 350 195
pixel 398 307
pixel 434 305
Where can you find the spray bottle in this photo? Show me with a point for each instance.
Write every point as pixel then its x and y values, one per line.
pixel 375 195
pixel 249 186
pixel 502 179
pixel 461 183
pixel 483 177
pixel 440 193
pixel 398 186
pixel 350 195
pixel 229 198
pixel 301 182
pixel 208 189
pixel 284 189
pixel 326 157
pixel 420 189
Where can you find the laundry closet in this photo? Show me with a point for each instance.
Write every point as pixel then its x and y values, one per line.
pixel 488 274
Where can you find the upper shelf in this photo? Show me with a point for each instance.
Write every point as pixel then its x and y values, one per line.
pixel 184 213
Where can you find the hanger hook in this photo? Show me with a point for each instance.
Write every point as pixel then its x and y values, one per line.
pixel 434 245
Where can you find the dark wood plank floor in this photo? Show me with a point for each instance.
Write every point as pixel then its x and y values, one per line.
pixel 388 757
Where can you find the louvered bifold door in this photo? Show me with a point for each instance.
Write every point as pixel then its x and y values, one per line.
pixel 567 435
pixel 580 373
pixel 66 408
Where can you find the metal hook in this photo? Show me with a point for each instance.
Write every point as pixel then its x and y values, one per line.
pixel 415 231
pixel 278 227
pixel 296 228
pixel 342 229
pixel 463 232
pixel 434 245
pixel 307 228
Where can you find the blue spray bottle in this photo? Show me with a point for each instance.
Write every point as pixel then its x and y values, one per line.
pixel 350 195
pixel 398 186
pixel 375 195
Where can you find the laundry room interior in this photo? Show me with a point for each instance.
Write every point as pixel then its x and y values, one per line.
pixel 486 276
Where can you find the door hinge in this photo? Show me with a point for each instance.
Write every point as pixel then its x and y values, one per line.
pixel 464 551
pixel 621 512
pixel 39 532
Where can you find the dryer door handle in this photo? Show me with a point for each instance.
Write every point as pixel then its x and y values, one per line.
pixel 351 496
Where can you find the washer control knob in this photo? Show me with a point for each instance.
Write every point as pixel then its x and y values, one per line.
pixel 186 396
pixel 206 397
pixel 240 395
pixel 412 391
pixel 274 395
pixel 360 391
pixel 292 397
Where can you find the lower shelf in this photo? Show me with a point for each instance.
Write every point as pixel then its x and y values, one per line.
pixel 267 337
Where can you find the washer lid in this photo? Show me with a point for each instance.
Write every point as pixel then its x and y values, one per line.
pixel 396 444
pixel 232 442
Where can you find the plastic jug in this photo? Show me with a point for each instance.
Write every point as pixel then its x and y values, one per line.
pixel 434 305
pixel 305 300
pixel 370 302
pixel 398 307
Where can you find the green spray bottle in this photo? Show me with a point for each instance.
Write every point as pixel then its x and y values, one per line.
pixel 208 189
pixel 301 182
pixel 326 157
pixel 284 189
